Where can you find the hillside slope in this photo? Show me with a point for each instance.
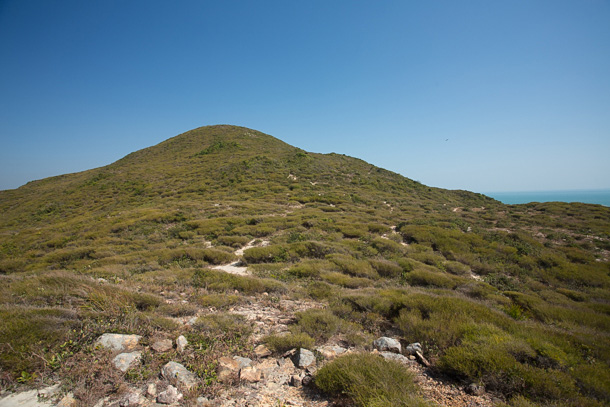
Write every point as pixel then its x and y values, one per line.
pixel 514 298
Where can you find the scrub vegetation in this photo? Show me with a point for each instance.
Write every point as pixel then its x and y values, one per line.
pixel 514 297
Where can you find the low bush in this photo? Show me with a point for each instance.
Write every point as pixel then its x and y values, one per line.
pixel 267 254
pixel 223 325
pixel 215 280
pixel 346 281
pixel 369 380
pixel 283 343
pixel 353 267
pixel 320 324
pixel 386 268
pixel 233 241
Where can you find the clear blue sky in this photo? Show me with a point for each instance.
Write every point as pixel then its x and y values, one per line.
pixel 478 95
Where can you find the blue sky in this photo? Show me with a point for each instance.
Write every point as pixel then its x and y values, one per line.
pixel 477 95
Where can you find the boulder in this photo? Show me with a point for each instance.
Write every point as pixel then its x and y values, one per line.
pixel 331 351
pixel 243 362
pixel 384 344
pixel 176 373
pixel 261 351
pixel 250 374
pixel 475 389
pixel 162 345
pixel 118 342
pixel 181 343
pixel 169 396
pixel 151 390
pixel 413 348
pixel 132 398
pixel 125 361
pixel 303 358
pixel 227 369
pixel 395 356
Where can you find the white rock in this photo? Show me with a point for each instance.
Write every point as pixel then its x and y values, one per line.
pixel 176 373
pixel 181 343
pixel 118 342
pixel 169 396
pixel 387 344
pixel 125 361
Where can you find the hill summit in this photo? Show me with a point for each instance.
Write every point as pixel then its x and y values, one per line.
pixel 248 248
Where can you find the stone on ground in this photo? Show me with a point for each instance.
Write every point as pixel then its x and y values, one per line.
pixel 163 345
pixel 250 374
pixel 303 358
pixel 118 342
pixel 181 343
pixel 176 373
pixel 124 361
pixel 169 396
pixel 387 344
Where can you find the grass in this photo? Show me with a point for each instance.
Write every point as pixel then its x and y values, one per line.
pixel 513 296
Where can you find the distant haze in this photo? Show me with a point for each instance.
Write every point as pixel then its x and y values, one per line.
pixel 478 95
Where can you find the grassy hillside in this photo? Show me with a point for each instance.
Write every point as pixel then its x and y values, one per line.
pixel 513 297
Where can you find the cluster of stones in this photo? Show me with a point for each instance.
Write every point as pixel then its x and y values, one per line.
pixel 265 376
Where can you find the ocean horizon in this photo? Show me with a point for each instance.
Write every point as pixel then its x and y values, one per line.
pixel 592 196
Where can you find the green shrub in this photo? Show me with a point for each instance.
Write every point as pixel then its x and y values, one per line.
pixel 346 281
pixel 353 267
pixel 319 290
pixel 386 268
pixel 267 254
pixel 320 324
pixel 387 246
pixel 369 380
pixel 233 241
pixel 283 343
pixel 429 278
pixel 223 324
pixel 216 280
pixel 220 301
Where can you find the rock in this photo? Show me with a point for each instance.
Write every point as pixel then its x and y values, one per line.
pixel 132 398
pixel 169 396
pixel 250 374
pixel 422 359
pixel 261 351
pixel 307 380
pixel 295 381
pixel 151 390
pixel 331 351
pixel 162 345
pixel 303 358
pixel 176 373
pixel 124 361
pixel 387 344
pixel 204 402
pixel 181 343
pixel 414 347
pixel 396 357
pixel 118 342
pixel 227 369
pixel 67 401
pixel 243 362
pixel 475 389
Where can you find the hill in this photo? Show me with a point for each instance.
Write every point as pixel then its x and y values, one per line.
pixel 511 297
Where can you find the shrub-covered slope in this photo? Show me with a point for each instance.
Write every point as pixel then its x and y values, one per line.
pixel 512 297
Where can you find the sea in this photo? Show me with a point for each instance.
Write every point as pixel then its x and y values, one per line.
pixel 598 196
